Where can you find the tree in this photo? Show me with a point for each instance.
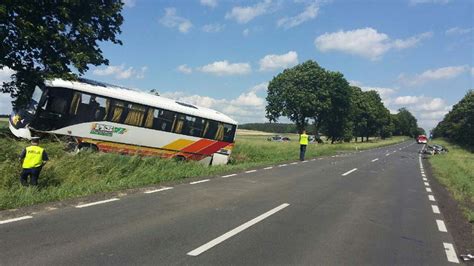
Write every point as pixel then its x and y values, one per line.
pixel 406 123
pixel 49 39
pixel 336 122
pixel 298 94
pixel 458 124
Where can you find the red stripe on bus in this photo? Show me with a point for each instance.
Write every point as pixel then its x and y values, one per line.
pixel 213 148
pixel 198 145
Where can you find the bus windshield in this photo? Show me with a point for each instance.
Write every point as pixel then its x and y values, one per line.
pixel 35 100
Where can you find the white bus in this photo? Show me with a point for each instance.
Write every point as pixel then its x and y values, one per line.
pixel 109 118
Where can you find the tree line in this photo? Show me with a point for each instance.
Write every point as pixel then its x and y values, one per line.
pixel 309 95
pixel 458 125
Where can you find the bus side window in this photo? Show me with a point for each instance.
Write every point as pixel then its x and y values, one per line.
pixel 135 115
pixel 210 129
pixel 116 111
pixel 179 125
pixel 197 127
pixel 164 120
pixel 220 132
pixel 149 118
pixel 100 105
pixel 229 131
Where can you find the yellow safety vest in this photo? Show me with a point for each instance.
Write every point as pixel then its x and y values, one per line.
pixel 304 139
pixel 33 157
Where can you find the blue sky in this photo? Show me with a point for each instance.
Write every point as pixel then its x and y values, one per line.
pixel 418 54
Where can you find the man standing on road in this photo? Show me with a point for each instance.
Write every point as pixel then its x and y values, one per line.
pixel 303 144
pixel 34 158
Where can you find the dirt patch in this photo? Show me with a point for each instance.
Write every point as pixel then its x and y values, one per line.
pixel 457 223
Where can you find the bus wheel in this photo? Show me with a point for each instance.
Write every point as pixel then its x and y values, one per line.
pixel 179 158
pixel 87 147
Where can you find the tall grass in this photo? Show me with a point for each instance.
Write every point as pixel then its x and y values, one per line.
pixel 455 170
pixel 69 175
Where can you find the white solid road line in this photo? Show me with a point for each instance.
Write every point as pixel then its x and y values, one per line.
pixel 250 171
pixel 268 168
pixel 376 159
pixel 158 190
pixel 450 253
pixel 96 203
pixel 348 172
pixel 200 181
pixel 431 198
pixel 435 209
pixel 428 189
pixel 16 219
pixel 235 231
pixel 441 226
pixel 224 176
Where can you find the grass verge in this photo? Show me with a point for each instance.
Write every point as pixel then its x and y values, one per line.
pixel 73 175
pixel 455 170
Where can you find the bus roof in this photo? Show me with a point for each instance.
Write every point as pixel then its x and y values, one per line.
pixel 140 97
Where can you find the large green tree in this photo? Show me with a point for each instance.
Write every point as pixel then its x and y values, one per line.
pixel 458 124
pixel 405 123
pixel 46 39
pixel 298 93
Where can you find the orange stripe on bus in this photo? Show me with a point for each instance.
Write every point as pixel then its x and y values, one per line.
pixel 178 144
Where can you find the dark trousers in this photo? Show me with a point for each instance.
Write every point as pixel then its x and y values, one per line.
pixel 302 152
pixel 33 173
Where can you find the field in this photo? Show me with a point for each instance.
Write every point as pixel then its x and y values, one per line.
pixel 3 122
pixel 455 171
pixel 70 175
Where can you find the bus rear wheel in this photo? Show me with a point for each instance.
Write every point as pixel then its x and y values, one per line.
pixel 87 147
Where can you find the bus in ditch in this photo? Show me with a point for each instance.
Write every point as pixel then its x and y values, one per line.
pixel 110 118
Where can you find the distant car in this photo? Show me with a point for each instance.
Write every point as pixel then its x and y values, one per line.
pixel 279 138
pixel 421 139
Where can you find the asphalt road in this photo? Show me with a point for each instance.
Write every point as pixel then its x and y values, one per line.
pixel 318 212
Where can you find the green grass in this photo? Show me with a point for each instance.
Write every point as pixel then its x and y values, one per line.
pixel 455 170
pixel 3 122
pixel 73 175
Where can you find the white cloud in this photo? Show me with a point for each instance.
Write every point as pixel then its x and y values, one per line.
pixel 433 74
pixel 171 20
pixel 247 107
pixel 366 42
pixel 129 3
pixel 472 71
pixel 428 111
pixel 121 72
pixel 221 68
pixel 209 3
pixel 185 69
pixel 458 31
pixel 309 13
pixel 273 61
pixel 5 99
pixel 245 14
pixel 416 2
pixel 212 28
pixel 246 32
pixel 5 74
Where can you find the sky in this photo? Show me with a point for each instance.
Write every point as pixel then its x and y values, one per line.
pixel 417 54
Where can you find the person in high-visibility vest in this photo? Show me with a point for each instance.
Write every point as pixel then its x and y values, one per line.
pixel 33 159
pixel 304 139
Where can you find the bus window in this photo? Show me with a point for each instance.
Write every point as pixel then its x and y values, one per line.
pixel 135 115
pixel 164 120
pixel 149 118
pixel 116 111
pixel 197 127
pixel 180 126
pixel 98 108
pixel 210 129
pixel 229 132
pixel 220 132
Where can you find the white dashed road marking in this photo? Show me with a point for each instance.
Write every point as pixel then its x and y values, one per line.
pixel 268 168
pixel 200 181
pixel 441 226
pixel 235 231
pixel 294 163
pixel 225 176
pixel 374 160
pixel 16 219
pixel 250 171
pixel 350 171
pixel 283 165
pixel 96 203
pixel 450 253
pixel 428 189
pixel 435 209
pixel 427 184
pixel 431 198
pixel 387 154
pixel 158 190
